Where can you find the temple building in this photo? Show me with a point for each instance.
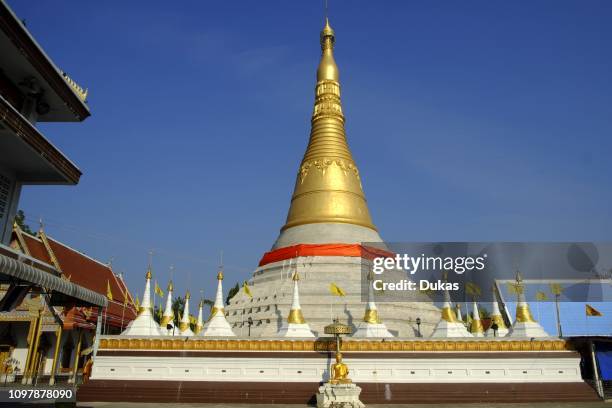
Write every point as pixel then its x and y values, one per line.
pixel 35 291
pixel 29 333
pixel 327 224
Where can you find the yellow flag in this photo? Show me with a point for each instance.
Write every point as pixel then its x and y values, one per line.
pixel 109 292
pixel 472 289
pixel 247 290
pixel 541 295
pixel 192 319
pixel 515 288
pixel 556 289
pixel 591 311
pixel 158 290
pixel 336 290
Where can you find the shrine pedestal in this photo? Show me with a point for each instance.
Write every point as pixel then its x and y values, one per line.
pixel 339 395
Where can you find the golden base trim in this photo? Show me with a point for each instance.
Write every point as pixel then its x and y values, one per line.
pixel 330 345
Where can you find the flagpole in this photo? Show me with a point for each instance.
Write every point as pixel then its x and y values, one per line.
pixel 559 329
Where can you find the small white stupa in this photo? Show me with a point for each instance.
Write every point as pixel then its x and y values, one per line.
pixel 496 318
pixel 371 324
pixel 144 324
pixel 295 326
pixel 476 327
pixel 217 325
pixel 184 327
pixel 167 320
pixel 449 326
pixel 200 322
pixel 524 324
pixel 458 312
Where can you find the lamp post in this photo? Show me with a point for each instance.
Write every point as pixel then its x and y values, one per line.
pixel 418 322
pixel 250 323
pixel 495 327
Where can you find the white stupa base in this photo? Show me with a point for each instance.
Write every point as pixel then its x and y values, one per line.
pixel 503 332
pixel 296 330
pixel 450 329
pixel 143 325
pixel 217 326
pixel 366 329
pixel 339 395
pixel 272 289
pixel 324 233
pixel 527 329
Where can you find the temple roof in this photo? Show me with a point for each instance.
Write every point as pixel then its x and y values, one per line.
pixel 85 271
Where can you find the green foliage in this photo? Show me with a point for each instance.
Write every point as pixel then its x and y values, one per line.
pixel 20 220
pixel 232 292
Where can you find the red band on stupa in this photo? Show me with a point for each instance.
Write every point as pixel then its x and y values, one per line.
pixel 355 250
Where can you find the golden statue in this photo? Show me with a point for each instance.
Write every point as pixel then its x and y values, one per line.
pixel 340 371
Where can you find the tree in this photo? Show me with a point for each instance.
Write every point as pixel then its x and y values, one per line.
pixel 232 292
pixel 20 220
pixel 178 307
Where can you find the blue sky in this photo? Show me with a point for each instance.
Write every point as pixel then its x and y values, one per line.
pixel 470 121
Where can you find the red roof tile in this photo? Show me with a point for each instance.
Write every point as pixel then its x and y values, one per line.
pixel 92 274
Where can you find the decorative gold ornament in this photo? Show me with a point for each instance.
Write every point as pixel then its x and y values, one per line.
pixel 220 275
pixel 296 317
pixel 499 320
pixel 523 313
pixel 328 187
pixel 476 345
pixel 371 316
pixel 448 315
pixel 165 320
pixel 170 286
pixel 216 310
pixel 476 326
pixel 141 310
pixel 81 93
pixel 148 274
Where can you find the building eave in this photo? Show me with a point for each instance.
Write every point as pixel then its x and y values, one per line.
pixel 23 40
pixel 69 173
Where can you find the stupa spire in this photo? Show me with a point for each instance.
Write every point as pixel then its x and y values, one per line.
pixel 371 324
pixel 184 324
pixel 168 316
pixel 200 322
pixel 328 188
pixel 496 318
pixel 144 324
pixel 524 324
pixel 146 297
pixel 217 324
pixel 449 325
pixel 296 326
pixel 476 327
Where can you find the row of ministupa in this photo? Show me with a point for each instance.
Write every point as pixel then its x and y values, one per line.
pixel 371 326
pixel 145 324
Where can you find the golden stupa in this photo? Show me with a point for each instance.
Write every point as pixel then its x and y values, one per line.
pixel 328 188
